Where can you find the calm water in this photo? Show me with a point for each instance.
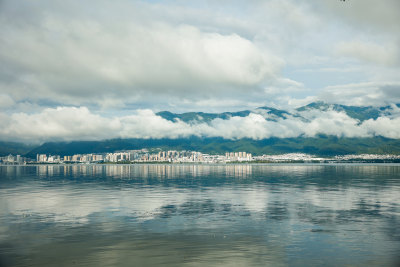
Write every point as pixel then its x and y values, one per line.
pixel 200 215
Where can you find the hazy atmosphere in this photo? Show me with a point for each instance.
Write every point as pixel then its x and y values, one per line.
pixel 73 70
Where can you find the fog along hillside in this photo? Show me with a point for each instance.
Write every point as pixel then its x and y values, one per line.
pixel 321 143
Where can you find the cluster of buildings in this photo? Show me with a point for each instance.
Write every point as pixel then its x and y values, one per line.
pixel 173 156
pixel 368 157
pixel 48 159
pixel 144 155
pixel 13 160
pixel 290 157
pixel 238 156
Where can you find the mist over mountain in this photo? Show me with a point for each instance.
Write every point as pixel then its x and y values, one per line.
pixel 349 130
pixel 82 124
pixel 273 114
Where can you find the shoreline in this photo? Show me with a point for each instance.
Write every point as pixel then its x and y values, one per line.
pixel 207 163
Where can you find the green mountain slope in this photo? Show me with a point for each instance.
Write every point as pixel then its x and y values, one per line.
pixel 14 148
pixel 192 117
pixel 321 145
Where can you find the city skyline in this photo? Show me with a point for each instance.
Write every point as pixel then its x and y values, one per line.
pixel 193 157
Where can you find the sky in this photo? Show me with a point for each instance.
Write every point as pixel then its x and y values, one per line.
pixel 91 70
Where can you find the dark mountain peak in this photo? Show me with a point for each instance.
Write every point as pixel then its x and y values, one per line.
pixel 269 113
pixel 314 105
pixel 360 113
pixel 195 117
pixel 273 110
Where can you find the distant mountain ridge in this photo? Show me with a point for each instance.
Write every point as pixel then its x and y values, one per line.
pixel 324 145
pixel 188 117
pixel 361 113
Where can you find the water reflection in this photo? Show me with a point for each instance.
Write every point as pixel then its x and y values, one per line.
pixel 243 215
pixel 161 171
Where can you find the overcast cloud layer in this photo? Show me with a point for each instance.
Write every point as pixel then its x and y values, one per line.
pixel 73 70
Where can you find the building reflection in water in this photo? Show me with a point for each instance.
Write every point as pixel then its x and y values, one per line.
pixel 174 171
pixel 145 171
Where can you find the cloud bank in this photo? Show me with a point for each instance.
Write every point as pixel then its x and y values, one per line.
pixel 71 55
pixel 79 123
pixel 182 55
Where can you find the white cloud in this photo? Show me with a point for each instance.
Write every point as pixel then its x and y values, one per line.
pixel 70 123
pixel 366 15
pixel 146 124
pixel 135 54
pixel 253 126
pixel 369 52
pixel 383 126
pixel 363 94
pixel 78 58
pixel 62 123
pixel 6 101
pixel 333 123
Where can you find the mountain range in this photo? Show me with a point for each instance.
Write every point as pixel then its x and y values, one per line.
pixel 272 114
pixel 320 144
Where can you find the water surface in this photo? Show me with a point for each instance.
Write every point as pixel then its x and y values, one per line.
pixel 200 215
